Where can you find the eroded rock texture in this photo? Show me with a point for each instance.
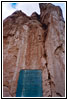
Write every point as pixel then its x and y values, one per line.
pixel 35 42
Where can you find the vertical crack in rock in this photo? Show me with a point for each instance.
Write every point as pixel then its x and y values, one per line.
pixel 48 80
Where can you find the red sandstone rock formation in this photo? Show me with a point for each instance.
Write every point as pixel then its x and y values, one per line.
pixel 35 42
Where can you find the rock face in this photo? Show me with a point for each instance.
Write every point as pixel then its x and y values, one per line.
pixel 35 42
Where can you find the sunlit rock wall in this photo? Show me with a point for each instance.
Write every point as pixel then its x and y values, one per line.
pixel 35 42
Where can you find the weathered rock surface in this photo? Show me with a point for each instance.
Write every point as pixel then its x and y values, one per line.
pixel 35 42
pixel 35 16
pixel 54 49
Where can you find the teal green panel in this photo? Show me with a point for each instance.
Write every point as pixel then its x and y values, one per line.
pixel 29 84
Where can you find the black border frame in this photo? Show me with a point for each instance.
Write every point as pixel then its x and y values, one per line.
pixel 66 52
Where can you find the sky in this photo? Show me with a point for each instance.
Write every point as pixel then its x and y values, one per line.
pixel 27 7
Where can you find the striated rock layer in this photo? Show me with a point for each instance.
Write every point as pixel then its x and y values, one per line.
pixel 35 42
